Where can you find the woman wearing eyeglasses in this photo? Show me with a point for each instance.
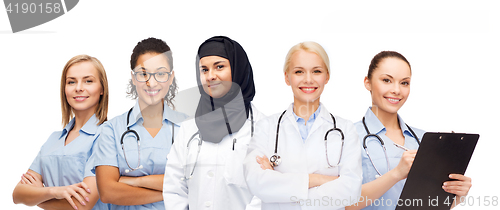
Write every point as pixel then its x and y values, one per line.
pixel 204 168
pixel 60 177
pixel 132 149
pixel 305 157
pixel 385 170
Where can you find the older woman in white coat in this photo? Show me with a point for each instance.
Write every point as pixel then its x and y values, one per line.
pixel 315 162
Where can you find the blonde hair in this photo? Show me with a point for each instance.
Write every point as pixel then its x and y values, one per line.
pixel 309 47
pixel 101 111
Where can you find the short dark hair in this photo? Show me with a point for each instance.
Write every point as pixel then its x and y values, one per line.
pixel 152 45
pixel 381 56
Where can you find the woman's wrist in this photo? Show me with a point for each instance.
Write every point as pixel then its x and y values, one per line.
pixel 137 182
pixel 312 180
pixel 395 174
pixel 131 181
pixel 316 180
pixel 51 192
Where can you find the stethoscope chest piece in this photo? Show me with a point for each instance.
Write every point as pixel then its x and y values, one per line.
pixel 275 160
pixel 128 170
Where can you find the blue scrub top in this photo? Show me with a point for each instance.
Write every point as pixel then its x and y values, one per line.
pixel 62 165
pixel 153 151
pixel 390 198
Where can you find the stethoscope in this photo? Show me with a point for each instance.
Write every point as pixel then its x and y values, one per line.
pixel 139 166
pixel 383 146
pixel 276 159
pixel 196 136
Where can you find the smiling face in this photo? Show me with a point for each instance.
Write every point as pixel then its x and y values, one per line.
pixel 151 92
pixel 389 85
pixel 83 88
pixel 215 75
pixel 307 75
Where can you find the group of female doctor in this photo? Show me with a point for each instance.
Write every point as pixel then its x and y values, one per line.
pixel 229 156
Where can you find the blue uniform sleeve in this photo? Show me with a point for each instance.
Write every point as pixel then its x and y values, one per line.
pixel 36 165
pixel 105 151
pixel 89 166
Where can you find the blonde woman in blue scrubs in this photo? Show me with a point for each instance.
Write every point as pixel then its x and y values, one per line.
pixel 60 177
pixel 388 80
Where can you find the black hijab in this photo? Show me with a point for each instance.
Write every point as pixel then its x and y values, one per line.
pixel 232 109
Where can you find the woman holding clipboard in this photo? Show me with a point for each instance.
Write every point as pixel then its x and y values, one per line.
pixel 388 144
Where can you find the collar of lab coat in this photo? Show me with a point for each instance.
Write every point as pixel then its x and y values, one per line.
pixel 324 115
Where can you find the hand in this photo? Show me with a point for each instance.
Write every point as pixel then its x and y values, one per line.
pixel 129 180
pixel 79 191
pixel 29 178
pixel 460 187
pixel 316 180
pixel 264 163
pixel 405 164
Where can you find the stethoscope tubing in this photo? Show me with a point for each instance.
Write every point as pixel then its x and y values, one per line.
pixel 200 143
pixel 369 134
pixel 139 166
pixel 197 153
pixel 275 159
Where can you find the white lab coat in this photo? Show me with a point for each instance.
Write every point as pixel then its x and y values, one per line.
pixel 287 186
pixel 218 181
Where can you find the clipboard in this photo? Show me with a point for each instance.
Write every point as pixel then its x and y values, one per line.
pixel 439 155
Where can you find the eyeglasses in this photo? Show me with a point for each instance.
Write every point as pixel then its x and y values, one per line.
pixel 161 76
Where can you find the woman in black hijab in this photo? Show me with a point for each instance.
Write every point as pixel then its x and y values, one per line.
pixel 205 165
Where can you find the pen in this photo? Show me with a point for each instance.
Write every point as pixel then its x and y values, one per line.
pixel 400 147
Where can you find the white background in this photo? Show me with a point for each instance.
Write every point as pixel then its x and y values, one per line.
pixel 453 48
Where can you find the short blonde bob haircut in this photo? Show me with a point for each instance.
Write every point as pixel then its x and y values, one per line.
pixel 101 111
pixel 309 47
